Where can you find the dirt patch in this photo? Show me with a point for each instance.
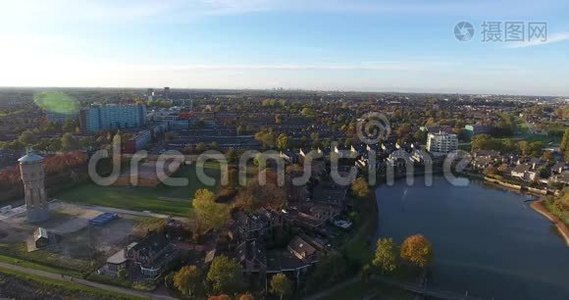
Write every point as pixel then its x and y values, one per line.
pixel 10 233
pixel 76 240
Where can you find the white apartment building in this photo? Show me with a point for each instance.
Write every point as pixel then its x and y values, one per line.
pixel 442 142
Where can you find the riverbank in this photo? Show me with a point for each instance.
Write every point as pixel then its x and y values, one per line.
pixel 537 205
pixel 561 227
pixel 360 245
pixel 520 187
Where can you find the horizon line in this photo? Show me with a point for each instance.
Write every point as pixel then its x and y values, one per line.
pixel 281 89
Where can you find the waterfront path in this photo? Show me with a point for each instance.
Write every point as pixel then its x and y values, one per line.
pixel 413 288
pixel 423 290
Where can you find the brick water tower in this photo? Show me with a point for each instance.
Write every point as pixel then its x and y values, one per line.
pixel 32 173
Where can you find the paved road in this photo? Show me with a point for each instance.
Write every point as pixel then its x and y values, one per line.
pixel 97 285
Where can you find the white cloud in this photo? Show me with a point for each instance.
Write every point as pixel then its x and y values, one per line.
pixel 551 39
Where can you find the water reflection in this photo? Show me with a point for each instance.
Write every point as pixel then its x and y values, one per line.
pixel 487 240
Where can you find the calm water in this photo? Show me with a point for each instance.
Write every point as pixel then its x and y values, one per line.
pixel 487 241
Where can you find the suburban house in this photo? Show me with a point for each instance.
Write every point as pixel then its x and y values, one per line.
pixel 558 168
pixel 562 177
pixel 257 224
pixel 117 261
pixel 251 255
pixel 152 256
pixel 303 250
pixel 524 172
pixel 482 162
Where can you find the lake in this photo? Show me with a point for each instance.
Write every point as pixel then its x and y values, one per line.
pixel 486 240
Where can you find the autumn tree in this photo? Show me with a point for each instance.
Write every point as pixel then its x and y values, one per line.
pixel 282 141
pixel 404 130
pixel 360 187
pixel 417 250
pixel 307 112
pixel 68 141
pixel 266 137
pixel 548 156
pixel 385 257
pixel 224 274
pixel 27 137
pixel 564 146
pixel 536 148
pixel 565 141
pixel 246 296
pixel 210 214
pixel 255 195
pixel 281 285
pixel 259 157
pixel 200 147
pixel 187 279
pixel 524 147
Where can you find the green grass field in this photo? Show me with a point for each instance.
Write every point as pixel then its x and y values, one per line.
pixel 162 199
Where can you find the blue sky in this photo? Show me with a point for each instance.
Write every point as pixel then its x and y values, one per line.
pixel 321 44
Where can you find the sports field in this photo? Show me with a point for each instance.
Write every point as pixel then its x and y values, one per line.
pixel 163 199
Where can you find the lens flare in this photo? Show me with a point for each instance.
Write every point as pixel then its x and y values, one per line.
pixel 56 102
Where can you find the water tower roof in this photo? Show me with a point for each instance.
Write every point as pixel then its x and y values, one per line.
pixel 30 158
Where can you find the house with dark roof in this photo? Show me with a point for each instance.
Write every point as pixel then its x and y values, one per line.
pixel 251 255
pixel 321 211
pixel 486 153
pixel 562 177
pixel 153 255
pixel 482 162
pixel 558 168
pixel 117 261
pixel 253 225
pixel 303 250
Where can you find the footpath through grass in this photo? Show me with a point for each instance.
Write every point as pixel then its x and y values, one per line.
pixel 70 289
pixel 162 199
